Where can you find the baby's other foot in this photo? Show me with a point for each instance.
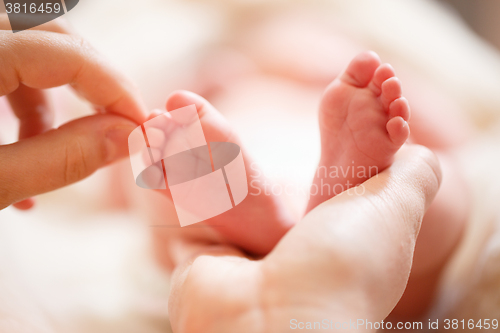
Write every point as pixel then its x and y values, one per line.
pixel 254 225
pixel 363 122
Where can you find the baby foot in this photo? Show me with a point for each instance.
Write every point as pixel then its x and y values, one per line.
pixel 259 221
pixel 363 122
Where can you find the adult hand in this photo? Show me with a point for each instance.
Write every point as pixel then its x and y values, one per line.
pixel 348 259
pixel 44 161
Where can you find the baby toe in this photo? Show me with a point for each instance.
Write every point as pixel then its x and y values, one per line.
pixel 383 73
pixel 391 89
pixel 400 108
pixel 398 130
pixel 361 69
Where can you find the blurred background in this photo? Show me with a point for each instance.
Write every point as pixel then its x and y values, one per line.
pixel 481 16
pixel 84 253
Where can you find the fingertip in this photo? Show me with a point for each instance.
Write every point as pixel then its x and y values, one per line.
pixel 425 165
pixel 25 204
pixel 431 159
pixel 132 109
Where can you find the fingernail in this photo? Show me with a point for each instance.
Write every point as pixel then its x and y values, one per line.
pixel 117 142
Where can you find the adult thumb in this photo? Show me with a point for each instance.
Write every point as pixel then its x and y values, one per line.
pixel 61 156
pixel 360 243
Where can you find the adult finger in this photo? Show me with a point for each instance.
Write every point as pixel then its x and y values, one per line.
pixel 35 117
pixel 61 156
pixel 31 105
pixel 42 60
pixel 361 242
pixel 349 258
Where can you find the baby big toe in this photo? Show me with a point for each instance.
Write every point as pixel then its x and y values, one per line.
pixel 360 70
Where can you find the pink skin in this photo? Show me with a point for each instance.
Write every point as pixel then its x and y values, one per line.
pixel 257 223
pixel 369 104
pixel 363 121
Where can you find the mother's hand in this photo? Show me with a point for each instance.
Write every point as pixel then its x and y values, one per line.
pixel 43 161
pixel 348 259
